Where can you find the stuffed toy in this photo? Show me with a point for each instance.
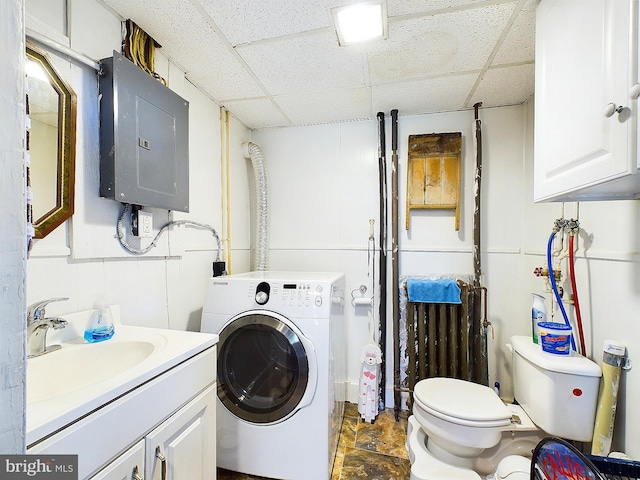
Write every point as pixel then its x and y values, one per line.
pixel 371 358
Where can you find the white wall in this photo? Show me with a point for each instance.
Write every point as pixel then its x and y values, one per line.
pixel 82 259
pixel 13 246
pixel 323 190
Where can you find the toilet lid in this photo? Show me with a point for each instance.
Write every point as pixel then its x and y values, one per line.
pixel 462 400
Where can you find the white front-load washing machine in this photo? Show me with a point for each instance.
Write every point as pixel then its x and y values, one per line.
pixel 281 371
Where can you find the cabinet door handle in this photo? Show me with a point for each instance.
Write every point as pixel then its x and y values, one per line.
pixel 634 92
pixel 135 475
pixel 163 463
pixel 612 108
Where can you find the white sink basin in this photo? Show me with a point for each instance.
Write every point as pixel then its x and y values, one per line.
pixel 68 383
pixel 78 366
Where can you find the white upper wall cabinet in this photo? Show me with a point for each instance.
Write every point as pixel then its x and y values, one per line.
pixel 585 113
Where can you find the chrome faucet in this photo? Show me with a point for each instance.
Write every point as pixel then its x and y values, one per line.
pixel 38 326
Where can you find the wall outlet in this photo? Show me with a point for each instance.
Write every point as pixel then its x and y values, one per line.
pixel 145 224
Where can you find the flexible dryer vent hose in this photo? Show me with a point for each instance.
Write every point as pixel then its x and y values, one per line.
pixel 261 233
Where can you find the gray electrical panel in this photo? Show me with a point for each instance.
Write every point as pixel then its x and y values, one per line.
pixel 144 138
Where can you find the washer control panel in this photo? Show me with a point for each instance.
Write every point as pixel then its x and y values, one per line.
pixel 262 293
pixel 301 294
pixel 299 298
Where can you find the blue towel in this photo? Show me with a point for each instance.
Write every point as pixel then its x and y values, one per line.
pixel 433 291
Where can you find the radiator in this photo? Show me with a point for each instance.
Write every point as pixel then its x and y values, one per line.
pixel 446 340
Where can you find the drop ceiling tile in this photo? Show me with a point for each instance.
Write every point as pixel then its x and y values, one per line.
pixel 193 44
pixel 327 106
pixel 416 97
pixel 511 85
pixel 222 77
pixel 257 113
pixel 519 44
pixel 408 7
pixel 439 44
pixel 309 62
pixel 162 19
pixel 244 21
pixel 288 53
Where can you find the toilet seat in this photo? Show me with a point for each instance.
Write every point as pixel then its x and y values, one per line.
pixel 461 402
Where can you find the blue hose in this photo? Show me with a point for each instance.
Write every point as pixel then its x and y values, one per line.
pixel 555 287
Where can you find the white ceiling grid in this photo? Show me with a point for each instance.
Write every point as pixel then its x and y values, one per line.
pixel 275 63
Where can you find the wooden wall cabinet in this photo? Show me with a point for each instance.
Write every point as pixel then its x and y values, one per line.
pixel 433 173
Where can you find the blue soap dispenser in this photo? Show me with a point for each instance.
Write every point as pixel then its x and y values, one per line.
pixel 100 325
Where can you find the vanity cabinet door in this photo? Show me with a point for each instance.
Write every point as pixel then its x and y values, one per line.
pixel 586 63
pixel 184 446
pixel 126 466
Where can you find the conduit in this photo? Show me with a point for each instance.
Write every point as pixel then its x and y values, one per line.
pixel 261 233
pixel 226 187
pixel 122 236
pixel 62 49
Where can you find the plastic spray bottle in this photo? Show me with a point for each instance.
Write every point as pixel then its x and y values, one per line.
pixel 100 326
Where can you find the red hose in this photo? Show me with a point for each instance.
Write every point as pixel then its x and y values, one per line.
pixel 572 274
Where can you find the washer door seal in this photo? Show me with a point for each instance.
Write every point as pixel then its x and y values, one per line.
pixel 264 368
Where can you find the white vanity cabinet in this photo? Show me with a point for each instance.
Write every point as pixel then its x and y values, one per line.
pixel 172 413
pixel 128 466
pixel 184 446
pixel 181 447
pixel 585 119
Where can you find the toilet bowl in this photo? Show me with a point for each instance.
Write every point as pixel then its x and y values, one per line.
pixel 425 466
pixel 463 430
pixel 513 467
pixel 467 427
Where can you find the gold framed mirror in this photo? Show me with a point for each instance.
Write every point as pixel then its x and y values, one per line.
pixel 52 142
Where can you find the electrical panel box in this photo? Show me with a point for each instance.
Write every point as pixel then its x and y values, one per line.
pixel 144 138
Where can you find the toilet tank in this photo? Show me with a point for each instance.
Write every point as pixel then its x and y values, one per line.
pixel 558 392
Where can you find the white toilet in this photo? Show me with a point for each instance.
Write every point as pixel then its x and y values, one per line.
pixel 462 430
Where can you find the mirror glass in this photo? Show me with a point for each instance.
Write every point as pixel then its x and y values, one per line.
pixel 52 112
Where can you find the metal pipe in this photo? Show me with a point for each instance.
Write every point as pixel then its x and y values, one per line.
pixel 413 319
pixel 226 186
pixel 62 49
pixel 394 249
pixel 477 262
pixel 382 312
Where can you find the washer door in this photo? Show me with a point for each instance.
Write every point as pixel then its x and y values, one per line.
pixel 266 367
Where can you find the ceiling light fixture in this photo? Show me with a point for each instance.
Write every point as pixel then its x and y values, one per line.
pixel 360 22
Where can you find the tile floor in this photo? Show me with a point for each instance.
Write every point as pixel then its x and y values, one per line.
pixel 365 451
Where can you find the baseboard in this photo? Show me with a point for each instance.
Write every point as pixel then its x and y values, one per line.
pixel 353 393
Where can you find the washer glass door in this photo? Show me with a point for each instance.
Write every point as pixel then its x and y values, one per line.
pixel 263 368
